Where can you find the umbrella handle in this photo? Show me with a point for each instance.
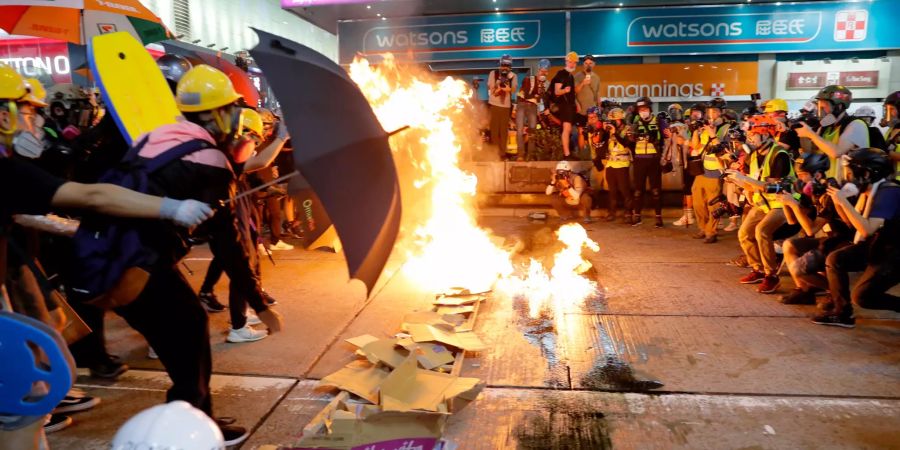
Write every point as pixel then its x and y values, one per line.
pixel 398 130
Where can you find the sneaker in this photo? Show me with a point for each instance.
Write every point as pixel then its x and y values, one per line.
pixel 732 225
pixel 659 222
pixel 233 435
pixel 627 219
pixel 56 422
pixel 75 403
pixel 711 240
pixel 798 297
pixel 681 222
pixel 637 220
pixel 268 299
pixel 753 278
pixel 844 320
pixel 152 353
pixel 246 334
pixel 252 318
pixel 262 248
pixel 281 245
pixel 769 285
pixel 211 302
pixel 110 369
pixel 700 235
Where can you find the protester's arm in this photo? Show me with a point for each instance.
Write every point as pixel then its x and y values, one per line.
pixel 264 158
pixel 856 135
pixel 792 206
pixel 865 226
pixel 114 200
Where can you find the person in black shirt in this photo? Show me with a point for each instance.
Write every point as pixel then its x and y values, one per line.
pixel 563 85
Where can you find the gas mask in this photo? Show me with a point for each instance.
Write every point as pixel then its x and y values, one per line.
pixel 9 121
pixel 888 116
pixel 826 118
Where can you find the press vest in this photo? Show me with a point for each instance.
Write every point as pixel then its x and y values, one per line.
pixel 710 162
pixel 619 155
pixel 772 201
pixel 833 134
pixel 647 146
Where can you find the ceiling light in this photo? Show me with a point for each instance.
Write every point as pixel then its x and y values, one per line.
pixel 496 9
pixel 620 4
pixel 701 65
pixel 384 18
pixel 379 14
pixel 777 3
pixel 715 67
pixel 368 6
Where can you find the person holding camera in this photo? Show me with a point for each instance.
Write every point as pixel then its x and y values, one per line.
pixel 563 85
pixel 530 96
pixel 617 158
pixel 890 119
pixel 501 83
pixel 838 132
pixel 771 172
pixel 593 137
pixel 587 88
pixel 777 110
pixel 876 245
pixel 645 137
pixel 573 196
pixel 707 135
pixel 816 213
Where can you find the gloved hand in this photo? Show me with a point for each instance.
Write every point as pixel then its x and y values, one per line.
pixel 185 213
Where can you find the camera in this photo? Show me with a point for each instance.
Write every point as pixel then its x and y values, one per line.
pixel 503 80
pixel 785 185
pixel 819 189
pixel 721 208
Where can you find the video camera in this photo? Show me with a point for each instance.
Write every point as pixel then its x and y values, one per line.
pixel 753 109
pixel 721 207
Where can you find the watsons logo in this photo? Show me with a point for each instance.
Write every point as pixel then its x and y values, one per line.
pixel 450 37
pixel 732 29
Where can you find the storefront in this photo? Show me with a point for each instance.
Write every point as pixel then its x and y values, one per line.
pixel 682 54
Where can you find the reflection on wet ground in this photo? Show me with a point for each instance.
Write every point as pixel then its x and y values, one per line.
pixel 563 424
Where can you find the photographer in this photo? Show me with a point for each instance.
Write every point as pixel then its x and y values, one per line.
pixel 501 83
pixel 563 85
pixel 706 137
pixel 617 158
pixel 531 94
pixel 776 109
pixel 891 120
pixel 816 213
pixel 876 245
pixel 839 132
pixel 645 137
pixel 573 194
pixel 771 171
pixel 593 136
pixel 587 88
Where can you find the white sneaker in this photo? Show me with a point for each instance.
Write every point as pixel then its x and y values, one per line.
pixel 246 334
pixel 281 245
pixel 732 225
pixel 261 248
pixel 152 353
pixel 682 221
pixel 252 318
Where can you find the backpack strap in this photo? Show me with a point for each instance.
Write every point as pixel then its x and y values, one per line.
pixel 175 153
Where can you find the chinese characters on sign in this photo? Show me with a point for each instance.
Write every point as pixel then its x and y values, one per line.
pixel 492 35
pixel 816 80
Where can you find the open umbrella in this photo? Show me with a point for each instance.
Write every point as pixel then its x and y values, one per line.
pixel 239 78
pixel 340 148
pixel 318 231
pixel 77 21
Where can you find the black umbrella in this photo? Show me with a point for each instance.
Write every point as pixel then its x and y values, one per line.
pixel 340 148
pixel 318 231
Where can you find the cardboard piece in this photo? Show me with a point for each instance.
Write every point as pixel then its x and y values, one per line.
pixel 409 388
pixel 458 301
pixel 385 351
pixel 359 377
pixel 453 310
pixel 361 341
pixel 426 317
pixel 430 355
pixel 467 341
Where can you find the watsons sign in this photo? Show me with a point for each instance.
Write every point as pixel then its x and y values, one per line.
pixel 447 38
pixel 742 28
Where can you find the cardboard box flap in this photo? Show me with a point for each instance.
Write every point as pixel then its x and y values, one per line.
pixel 465 309
pixel 409 388
pixel 431 355
pixel 458 301
pixel 361 341
pixel 426 317
pixel 359 377
pixel 466 340
pixel 385 351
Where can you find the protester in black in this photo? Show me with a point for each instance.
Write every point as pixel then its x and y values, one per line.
pixel 563 86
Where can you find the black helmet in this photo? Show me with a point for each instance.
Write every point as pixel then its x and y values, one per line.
pixel 730 115
pixel 869 165
pixel 837 95
pixel 643 101
pixel 718 103
pixel 663 115
pixel 813 163
pixel 887 117
pixel 699 107
pixel 173 68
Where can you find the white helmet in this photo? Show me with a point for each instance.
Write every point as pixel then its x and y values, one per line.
pixel 864 111
pixel 175 425
pixel 563 166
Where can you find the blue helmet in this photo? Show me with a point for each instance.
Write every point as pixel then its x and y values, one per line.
pixel 594 110
pixel 506 60
pixel 544 64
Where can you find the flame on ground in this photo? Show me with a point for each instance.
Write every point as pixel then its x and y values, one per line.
pixel 444 246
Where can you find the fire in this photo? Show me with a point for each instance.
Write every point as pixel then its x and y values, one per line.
pixel 444 246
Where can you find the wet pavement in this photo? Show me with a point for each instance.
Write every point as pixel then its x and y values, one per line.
pixel 673 353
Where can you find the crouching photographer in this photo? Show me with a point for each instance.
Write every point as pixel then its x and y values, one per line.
pixel 770 173
pixel 823 229
pixel 572 193
pixel 876 244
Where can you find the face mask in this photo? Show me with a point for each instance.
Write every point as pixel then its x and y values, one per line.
pixel 644 114
pixel 570 69
pixel 28 145
pixel 542 78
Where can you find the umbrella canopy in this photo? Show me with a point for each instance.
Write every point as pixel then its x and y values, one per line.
pixel 340 148
pixel 318 231
pixel 77 21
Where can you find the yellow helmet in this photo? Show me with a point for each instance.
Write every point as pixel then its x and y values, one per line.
pixel 12 85
pixel 252 121
pixel 615 114
pixel 36 93
pixel 204 88
pixel 776 104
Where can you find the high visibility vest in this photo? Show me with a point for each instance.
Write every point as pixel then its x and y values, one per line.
pixel 619 155
pixel 647 146
pixel 892 138
pixel 833 134
pixel 710 162
pixel 772 201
